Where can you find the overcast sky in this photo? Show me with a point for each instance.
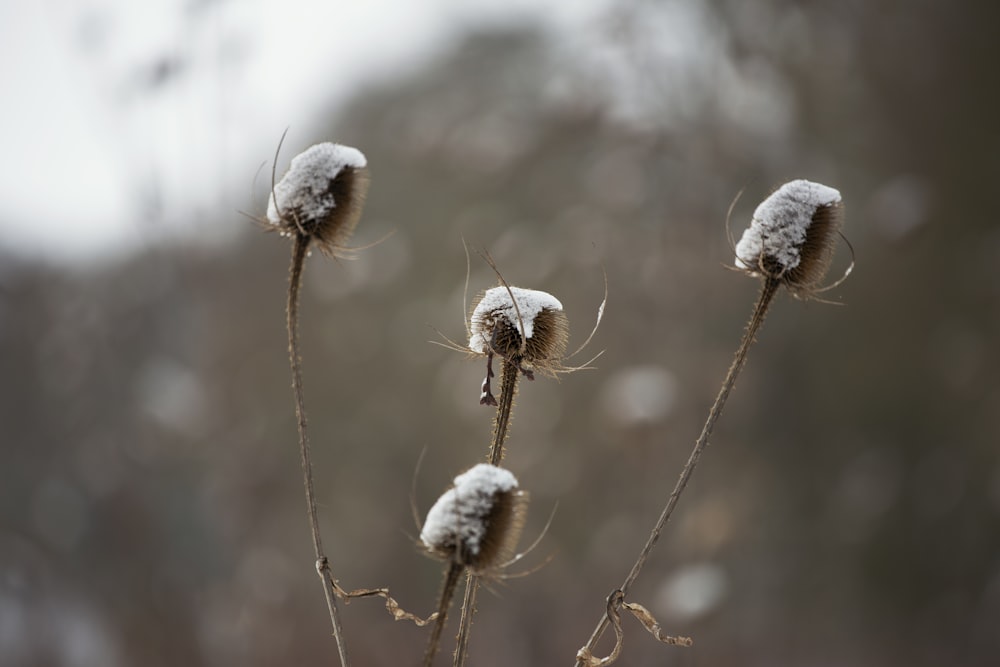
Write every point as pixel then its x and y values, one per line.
pixel 122 118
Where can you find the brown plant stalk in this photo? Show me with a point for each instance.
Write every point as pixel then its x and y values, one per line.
pixel 510 370
pixel 451 577
pixel 789 243
pixel 300 249
pixel 768 290
pixel 508 387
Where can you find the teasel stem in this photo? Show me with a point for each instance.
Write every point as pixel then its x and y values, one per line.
pixel 451 578
pixel 465 623
pixel 300 249
pixel 768 289
pixel 508 386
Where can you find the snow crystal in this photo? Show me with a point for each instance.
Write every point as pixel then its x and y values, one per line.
pixel 458 517
pixel 497 303
pixel 305 188
pixel 779 224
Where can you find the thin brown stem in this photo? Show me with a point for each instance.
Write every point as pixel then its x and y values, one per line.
pixel 299 250
pixel 508 386
pixel 465 624
pixel 444 603
pixel 768 290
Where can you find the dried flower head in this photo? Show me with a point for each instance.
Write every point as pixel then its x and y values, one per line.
pixel 321 196
pixel 478 521
pixel 531 328
pixel 792 234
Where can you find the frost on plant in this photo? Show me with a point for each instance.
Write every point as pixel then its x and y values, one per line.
pixel 531 327
pixel 496 304
pixel 305 188
pixel 791 234
pixel 526 327
pixel 321 195
pixel 478 521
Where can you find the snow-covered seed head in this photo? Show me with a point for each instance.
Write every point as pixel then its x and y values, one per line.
pixel 478 521
pixel 792 235
pixel 321 196
pixel 495 326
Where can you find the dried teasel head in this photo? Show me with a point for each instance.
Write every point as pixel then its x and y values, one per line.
pixel 478 521
pixel 530 328
pixel 792 236
pixel 321 196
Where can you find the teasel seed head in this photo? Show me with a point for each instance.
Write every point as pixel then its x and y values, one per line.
pixel 495 326
pixel 478 522
pixel 792 236
pixel 321 196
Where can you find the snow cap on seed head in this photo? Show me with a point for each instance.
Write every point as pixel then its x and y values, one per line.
pixel 792 234
pixel 478 521
pixel 535 330
pixel 321 195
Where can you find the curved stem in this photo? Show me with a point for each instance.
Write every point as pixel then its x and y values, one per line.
pixel 768 290
pixel 299 251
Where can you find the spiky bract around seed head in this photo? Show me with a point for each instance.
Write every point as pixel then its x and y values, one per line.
pixel 792 236
pixel 478 521
pixel 321 196
pixel 534 332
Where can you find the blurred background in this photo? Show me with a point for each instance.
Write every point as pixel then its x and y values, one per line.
pixel 151 509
